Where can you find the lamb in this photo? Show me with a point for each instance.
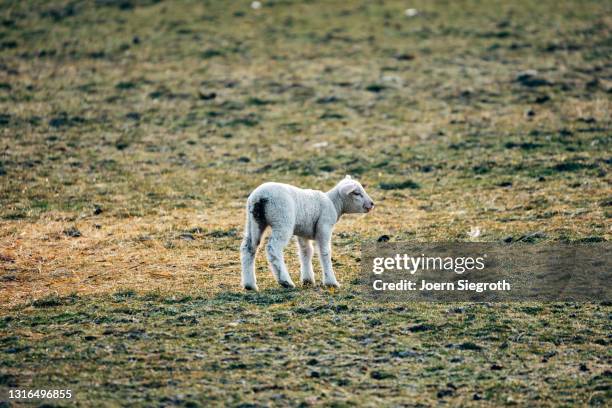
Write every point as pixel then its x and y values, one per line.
pixel 308 214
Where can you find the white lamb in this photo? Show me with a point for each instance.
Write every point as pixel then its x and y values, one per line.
pixel 309 214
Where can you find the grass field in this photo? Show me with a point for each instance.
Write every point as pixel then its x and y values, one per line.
pixel 131 133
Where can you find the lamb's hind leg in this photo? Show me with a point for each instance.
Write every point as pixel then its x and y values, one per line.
pixel 279 238
pixel 248 251
pixel 305 249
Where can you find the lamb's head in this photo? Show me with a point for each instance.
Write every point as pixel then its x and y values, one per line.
pixel 354 197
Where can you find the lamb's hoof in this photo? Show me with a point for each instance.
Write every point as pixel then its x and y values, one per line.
pixel 332 285
pixel 250 287
pixel 308 282
pixel 286 284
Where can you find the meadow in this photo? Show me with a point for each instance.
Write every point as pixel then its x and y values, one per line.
pixel 132 131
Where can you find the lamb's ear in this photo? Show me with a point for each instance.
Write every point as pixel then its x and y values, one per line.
pixel 348 187
pixel 347 177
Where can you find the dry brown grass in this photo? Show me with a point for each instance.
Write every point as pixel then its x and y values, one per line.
pixel 148 253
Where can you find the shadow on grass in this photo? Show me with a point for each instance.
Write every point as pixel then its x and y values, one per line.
pixel 262 298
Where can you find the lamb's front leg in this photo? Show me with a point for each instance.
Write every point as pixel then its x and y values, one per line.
pixel 305 250
pixel 324 244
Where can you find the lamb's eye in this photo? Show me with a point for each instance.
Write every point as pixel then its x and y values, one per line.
pixel 356 193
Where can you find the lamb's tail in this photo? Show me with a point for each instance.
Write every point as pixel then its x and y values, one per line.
pixel 256 221
pixel 250 232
